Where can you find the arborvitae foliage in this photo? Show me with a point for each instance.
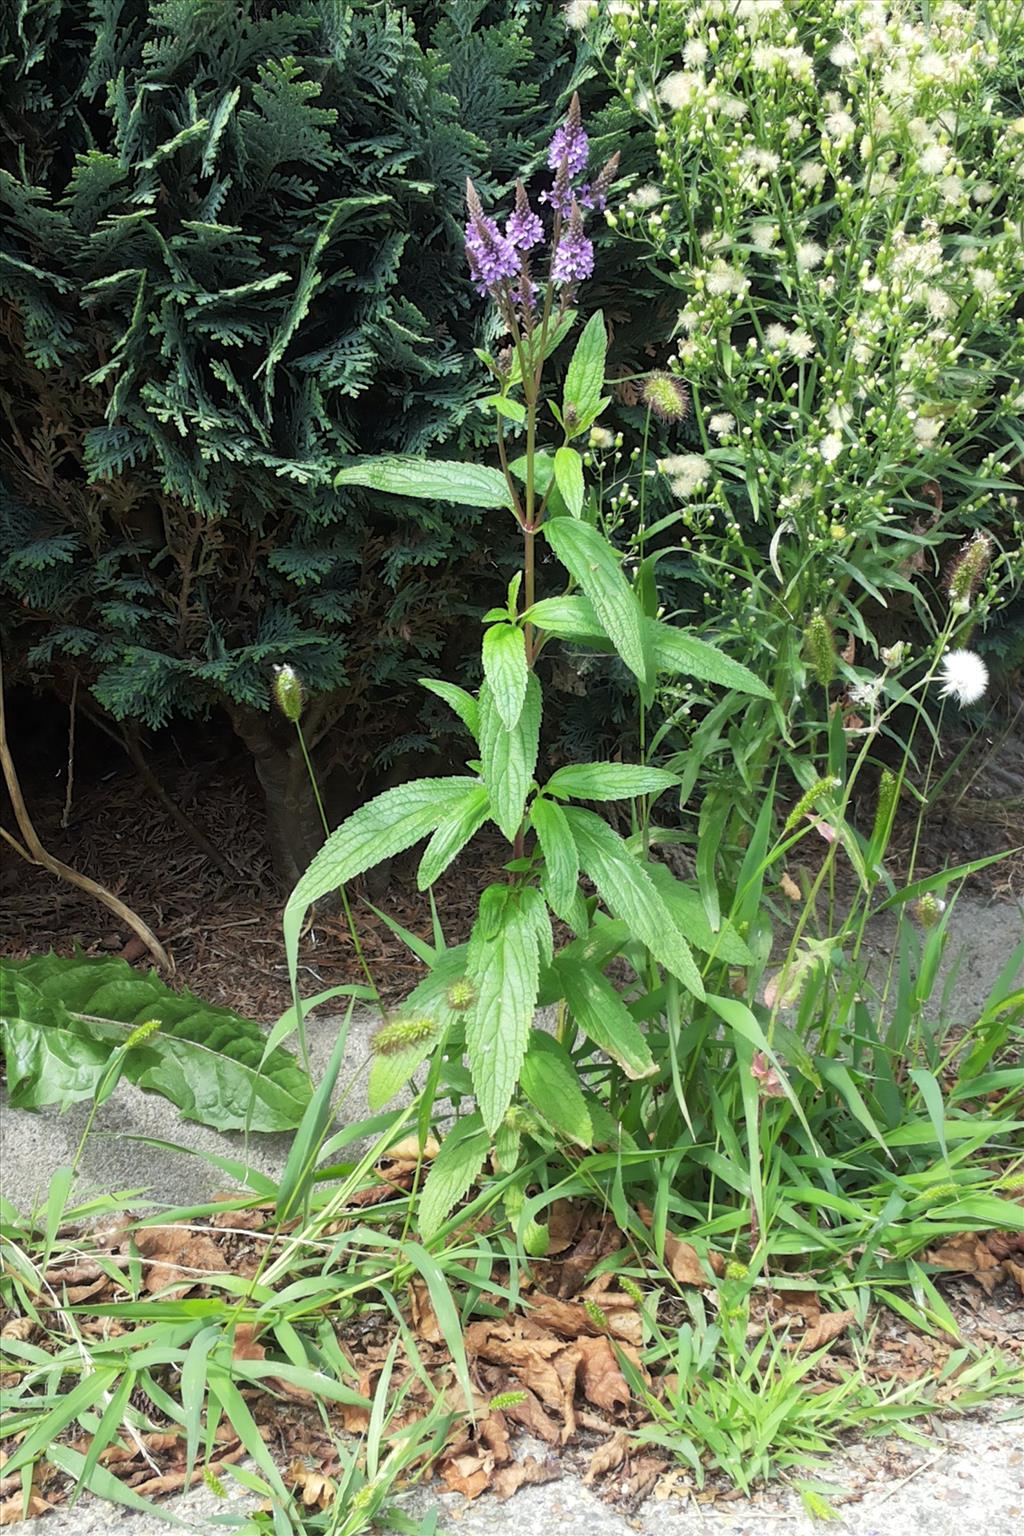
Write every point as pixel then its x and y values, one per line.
pixel 234 256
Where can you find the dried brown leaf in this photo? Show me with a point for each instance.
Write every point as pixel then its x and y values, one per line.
pixel 607 1456
pixel 508 1480
pixel 828 1327
pixel 603 1383
pixel 12 1511
pixel 178 1257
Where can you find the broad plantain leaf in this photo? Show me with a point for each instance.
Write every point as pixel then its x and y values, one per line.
pixel 509 757
pixel 61 1018
pixel 469 485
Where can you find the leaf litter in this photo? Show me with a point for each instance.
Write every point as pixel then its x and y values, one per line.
pixel 562 1367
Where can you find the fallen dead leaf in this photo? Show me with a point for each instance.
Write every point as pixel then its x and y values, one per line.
pixel 969 1254
pixel 607 1457
pixel 12 1511
pixel 424 1318
pixel 508 1480
pixel 599 1375
pixel 178 1257
pixel 828 1327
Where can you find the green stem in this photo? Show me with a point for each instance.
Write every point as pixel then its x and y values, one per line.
pixel 345 903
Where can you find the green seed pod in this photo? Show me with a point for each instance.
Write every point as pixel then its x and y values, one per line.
pixel 888 794
pixel 928 909
pixel 821 648
pixel 461 995
pixel 967 572
pixel 142 1032
pixel 401 1033
pixel 808 800
pixel 596 1316
pixel 505 1400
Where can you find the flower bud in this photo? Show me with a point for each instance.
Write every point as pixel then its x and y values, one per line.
pixel 665 396
pixel 288 692
pixel 821 648
pixel 928 909
pixel 461 995
pixel 967 571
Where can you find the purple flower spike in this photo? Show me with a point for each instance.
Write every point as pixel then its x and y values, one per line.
pixel 570 146
pixel 596 196
pixel 574 259
pixel 523 229
pixel 492 259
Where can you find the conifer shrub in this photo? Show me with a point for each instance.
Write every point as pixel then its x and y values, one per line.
pixel 233 260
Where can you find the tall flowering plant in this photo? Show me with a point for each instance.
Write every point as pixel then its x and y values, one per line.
pixel 476 1007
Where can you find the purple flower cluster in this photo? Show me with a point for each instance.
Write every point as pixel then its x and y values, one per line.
pixel 524 228
pixel 573 260
pixel 500 263
pixel 570 147
pixel 492 258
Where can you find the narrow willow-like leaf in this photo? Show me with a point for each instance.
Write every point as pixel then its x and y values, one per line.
pixel 509 757
pixel 604 1018
pixel 456 1166
pixel 595 566
pixel 629 892
pixel 468 485
pixel 463 703
pixel 504 659
pixel 504 968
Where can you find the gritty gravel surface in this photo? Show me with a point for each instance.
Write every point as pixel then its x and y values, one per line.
pixel 968 1481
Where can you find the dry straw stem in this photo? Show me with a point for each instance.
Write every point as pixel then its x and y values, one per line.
pixel 33 852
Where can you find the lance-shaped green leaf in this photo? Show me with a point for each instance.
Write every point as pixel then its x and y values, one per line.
pixel 604 1018
pixel 509 757
pixel 561 857
pixel 504 970
pixel 550 1082
pixel 570 618
pixel 675 651
pixel 504 658
pixel 629 892
pixel 569 479
pixel 458 1163
pixel 584 377
pixel 467 485
pixel 463 703
pixel 690 917
pixel 608 781
pixel 384 826
pixel 461 823
pixel 557 331
pixel 595 566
